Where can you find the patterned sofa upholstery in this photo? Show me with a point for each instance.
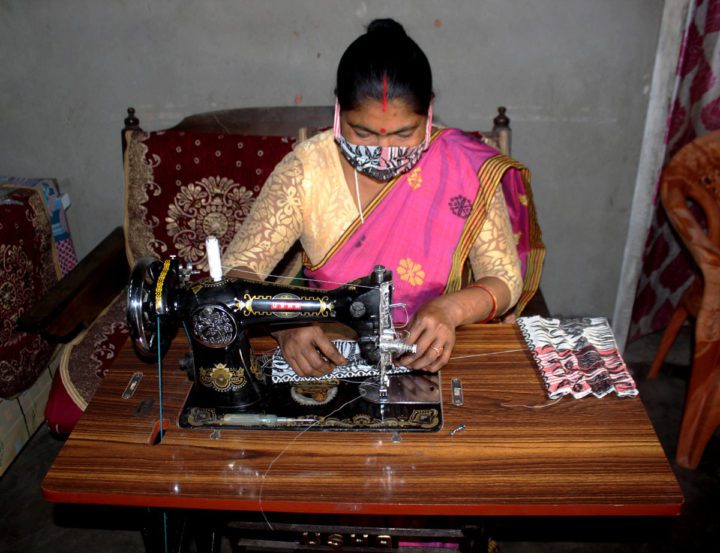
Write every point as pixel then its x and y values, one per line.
pixel 35 252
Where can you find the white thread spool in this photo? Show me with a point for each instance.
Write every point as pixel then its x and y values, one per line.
pixel 213 256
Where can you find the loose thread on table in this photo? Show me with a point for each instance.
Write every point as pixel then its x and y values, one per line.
pixel 486 353
pixel 290 443
pixel 548 403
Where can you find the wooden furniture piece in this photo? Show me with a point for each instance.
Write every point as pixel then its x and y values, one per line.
pixel 35 250
pixel 506 451
pixel 693 177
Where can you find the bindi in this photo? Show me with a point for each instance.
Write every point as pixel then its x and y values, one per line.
pixel 383 131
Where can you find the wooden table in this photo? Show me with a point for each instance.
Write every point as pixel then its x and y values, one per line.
pixel 518 455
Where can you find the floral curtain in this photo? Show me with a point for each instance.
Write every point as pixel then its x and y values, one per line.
pixel 667 268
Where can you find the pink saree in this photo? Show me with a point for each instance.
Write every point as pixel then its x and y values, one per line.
pixel 422 224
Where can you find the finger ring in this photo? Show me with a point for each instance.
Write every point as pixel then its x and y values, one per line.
pixel 437 350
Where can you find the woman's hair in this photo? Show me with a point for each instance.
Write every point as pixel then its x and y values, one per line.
pixel 384 60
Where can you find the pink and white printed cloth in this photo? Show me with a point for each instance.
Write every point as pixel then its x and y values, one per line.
pixel 577 357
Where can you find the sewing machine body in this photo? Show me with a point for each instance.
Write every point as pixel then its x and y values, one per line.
pixel 231 388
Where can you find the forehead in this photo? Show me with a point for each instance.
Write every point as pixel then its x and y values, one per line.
pixel 396 109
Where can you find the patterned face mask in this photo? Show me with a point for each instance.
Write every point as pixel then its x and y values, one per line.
pixel 381 162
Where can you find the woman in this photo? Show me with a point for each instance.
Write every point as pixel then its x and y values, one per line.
pixel 385 188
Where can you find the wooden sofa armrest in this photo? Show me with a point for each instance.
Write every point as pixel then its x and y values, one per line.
pixel 76 300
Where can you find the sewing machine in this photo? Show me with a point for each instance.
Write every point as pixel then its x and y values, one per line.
pixel 234 387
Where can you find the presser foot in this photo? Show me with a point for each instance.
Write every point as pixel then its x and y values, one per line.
pixel 371 391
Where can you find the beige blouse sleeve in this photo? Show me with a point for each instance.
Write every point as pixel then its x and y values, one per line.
pixel 274 222
pixel 494 253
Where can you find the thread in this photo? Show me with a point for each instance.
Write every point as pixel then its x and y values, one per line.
pixel 291 278
pixel 279 455
pixel 357 194
pixel 162 430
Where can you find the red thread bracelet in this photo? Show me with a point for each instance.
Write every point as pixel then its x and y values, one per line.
pixel 493 311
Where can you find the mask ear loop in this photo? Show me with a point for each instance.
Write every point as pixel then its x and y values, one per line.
pixel 428 127
pixel 336 120
pixel 336 132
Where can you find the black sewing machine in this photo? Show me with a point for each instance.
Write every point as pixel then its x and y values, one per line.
pixel 235 388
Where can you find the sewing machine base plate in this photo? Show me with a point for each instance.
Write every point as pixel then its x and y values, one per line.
pixel 414 405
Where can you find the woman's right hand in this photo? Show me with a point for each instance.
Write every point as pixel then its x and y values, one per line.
pixel 308 350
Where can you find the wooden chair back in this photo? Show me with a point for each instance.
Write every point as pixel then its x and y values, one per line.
pixel 690 194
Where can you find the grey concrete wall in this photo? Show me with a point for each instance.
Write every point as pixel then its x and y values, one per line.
pixel 573 73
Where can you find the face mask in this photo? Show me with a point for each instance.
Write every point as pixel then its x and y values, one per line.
pixel 381 162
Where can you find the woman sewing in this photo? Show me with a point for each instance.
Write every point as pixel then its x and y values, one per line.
pixel 384 187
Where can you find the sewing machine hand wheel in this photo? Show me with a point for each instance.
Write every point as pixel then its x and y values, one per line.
pixel 142 311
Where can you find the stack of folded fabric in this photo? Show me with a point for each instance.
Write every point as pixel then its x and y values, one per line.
pixel 577 356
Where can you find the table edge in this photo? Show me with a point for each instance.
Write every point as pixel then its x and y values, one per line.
pixel 317 507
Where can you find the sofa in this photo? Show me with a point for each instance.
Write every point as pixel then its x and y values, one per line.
pixel 35 252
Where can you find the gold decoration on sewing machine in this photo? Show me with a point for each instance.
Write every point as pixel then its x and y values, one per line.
pixel 318 392
pixel 286 301
pixel 161 283
pixel 247 305
pixel 419 418
pixel 326 307
pixel 284 305
pixel 255 368
pixel 222 378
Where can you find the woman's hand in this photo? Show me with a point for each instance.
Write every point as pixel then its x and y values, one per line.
pixel 432 330
pixel 433 326
pixel 308 350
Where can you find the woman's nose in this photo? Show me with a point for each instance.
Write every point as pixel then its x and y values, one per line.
pixel 385 141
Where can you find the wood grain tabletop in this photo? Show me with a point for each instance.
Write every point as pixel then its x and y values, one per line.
pixel 519 454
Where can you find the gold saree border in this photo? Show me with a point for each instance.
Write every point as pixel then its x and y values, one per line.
pixel 490 176
pixel 536 255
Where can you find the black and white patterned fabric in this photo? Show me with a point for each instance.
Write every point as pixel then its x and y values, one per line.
pixel 577 356
pixel 356 367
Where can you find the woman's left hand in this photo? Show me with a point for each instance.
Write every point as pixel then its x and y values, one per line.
pixel 433 331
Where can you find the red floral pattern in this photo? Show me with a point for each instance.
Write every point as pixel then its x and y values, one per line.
pixel 185 186
pixel 28 268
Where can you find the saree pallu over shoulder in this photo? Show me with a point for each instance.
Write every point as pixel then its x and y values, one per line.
pixel 526 229
pixel 515 181
pixel 421 225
